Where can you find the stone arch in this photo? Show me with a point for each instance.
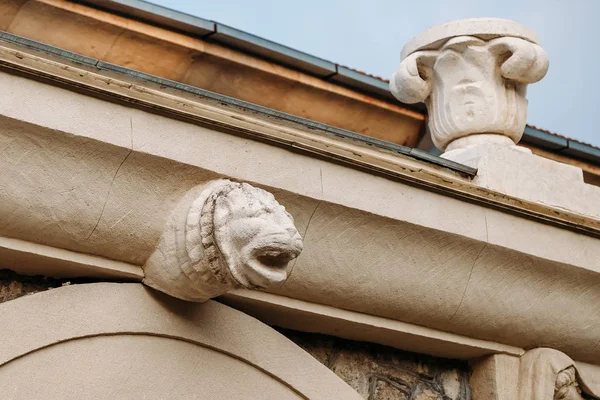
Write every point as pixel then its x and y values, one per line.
pixel 111 340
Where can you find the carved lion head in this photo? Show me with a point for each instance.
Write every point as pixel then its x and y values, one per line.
pixel 230 235
pixel 247 235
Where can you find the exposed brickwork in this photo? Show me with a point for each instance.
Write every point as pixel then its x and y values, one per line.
pixel 383 373
pixel 13 285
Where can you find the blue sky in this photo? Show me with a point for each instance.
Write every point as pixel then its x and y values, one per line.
pixel 369 34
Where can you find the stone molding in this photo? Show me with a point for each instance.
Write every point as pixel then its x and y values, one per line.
pixel 184 56
pixel 377 161
pixel 235 235
pixel 28 258
pixel 301 315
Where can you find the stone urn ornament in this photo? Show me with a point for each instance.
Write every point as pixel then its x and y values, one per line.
pixel 472 74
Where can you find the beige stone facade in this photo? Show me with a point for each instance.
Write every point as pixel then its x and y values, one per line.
pixel 376 372
pixel 158 240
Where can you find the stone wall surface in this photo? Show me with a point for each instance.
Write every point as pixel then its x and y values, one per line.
pixel 376 372
pixel 379 372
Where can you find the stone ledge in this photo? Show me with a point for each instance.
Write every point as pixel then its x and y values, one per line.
pixel 300 315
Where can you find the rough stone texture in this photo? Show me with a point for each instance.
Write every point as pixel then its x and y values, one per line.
pixel 80 200
pixel 13 285
pixel 382 373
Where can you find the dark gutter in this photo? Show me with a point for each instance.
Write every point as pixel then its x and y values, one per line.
pixel 362 82
pixel 560 145
pixel 273 51
pixel 544 140
pixel 156 15
pixel 582 151
pixel 246 42
pixel 240 104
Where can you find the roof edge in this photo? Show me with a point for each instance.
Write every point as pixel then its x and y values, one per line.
pixel 249 43
pixel 560 145
pixel 241 104
pixel 324 69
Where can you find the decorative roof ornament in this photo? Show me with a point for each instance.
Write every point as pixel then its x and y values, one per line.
pixel 473 76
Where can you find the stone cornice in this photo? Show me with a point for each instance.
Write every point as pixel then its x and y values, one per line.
pixel 217 64
pixel 136 89
pixel 36 259
pixel 101 178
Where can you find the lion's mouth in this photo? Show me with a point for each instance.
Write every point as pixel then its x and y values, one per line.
pixel 268 263
pixel 276 256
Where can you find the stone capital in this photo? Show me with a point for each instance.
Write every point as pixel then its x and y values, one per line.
pixel 473 76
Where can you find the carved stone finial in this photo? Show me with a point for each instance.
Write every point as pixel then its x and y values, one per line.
pixel 230 235
pixel 473 76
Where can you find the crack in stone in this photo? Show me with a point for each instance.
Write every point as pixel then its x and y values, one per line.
pixel 304 238
pixel 487 240
pixel 113 43
pixel 596 346
pixel 468 282
pixel 113 181
pixel 108 194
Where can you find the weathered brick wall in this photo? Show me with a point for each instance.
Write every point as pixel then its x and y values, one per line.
pixel 13 285
pixel 383 373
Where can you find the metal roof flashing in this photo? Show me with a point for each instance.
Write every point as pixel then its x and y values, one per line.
pixel 561 145
pixel 246 42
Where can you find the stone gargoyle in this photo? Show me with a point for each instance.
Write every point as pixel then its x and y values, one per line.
pixel 222 236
